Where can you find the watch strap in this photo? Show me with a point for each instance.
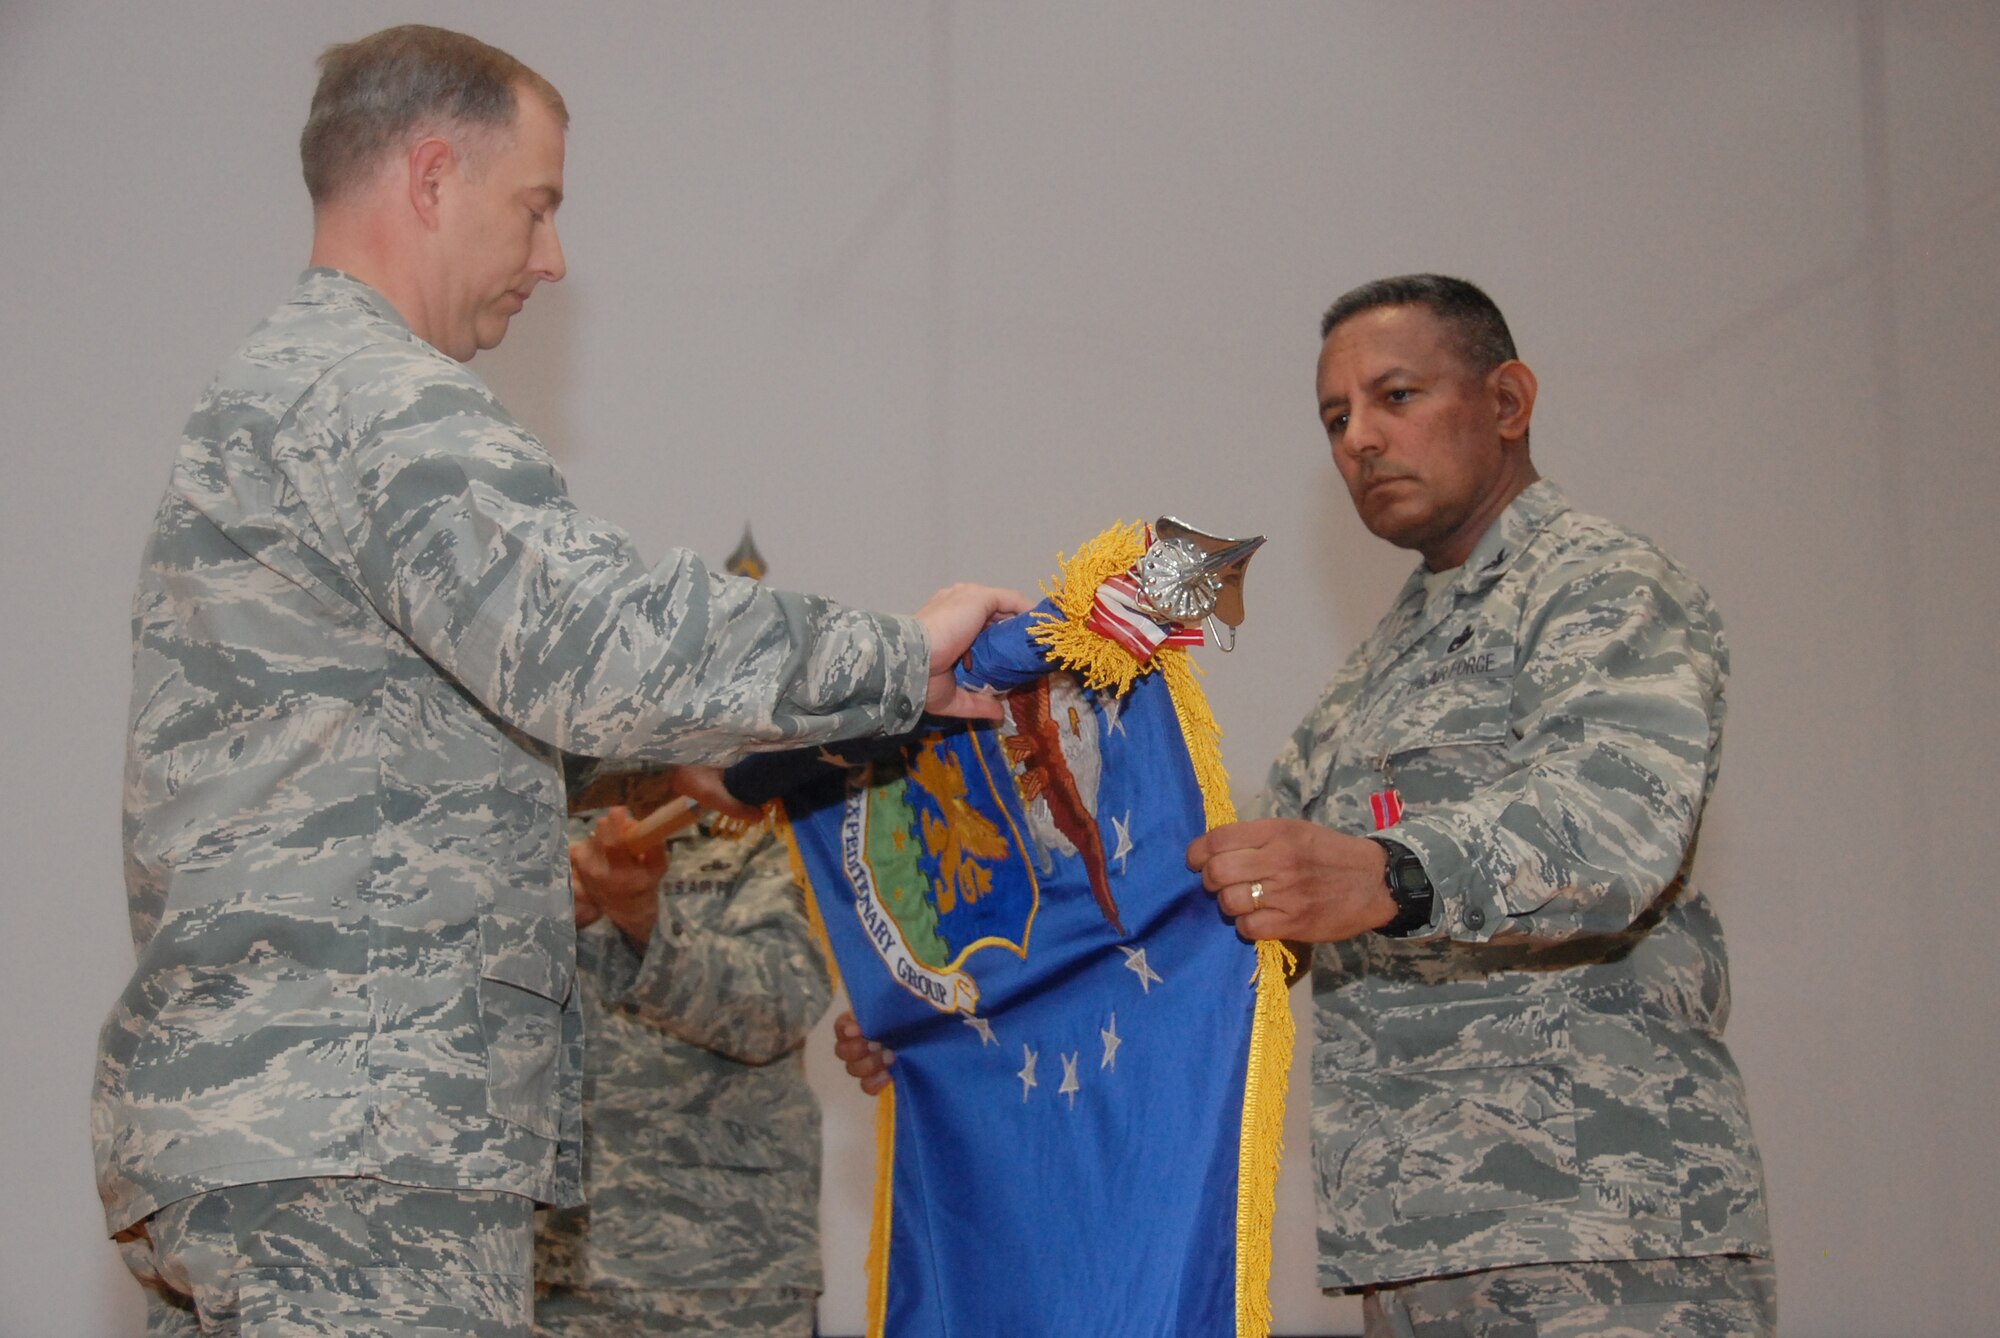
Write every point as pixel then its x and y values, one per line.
pixel 1409 886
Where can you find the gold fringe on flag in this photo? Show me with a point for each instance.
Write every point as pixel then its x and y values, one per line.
pixel 1103 663
pixel 885 1203
pixel 1098 660
pixel 1263 1139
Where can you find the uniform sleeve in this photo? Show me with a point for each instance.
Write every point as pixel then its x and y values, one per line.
pixel 737 973
pixel 1616 724
pixel 456 527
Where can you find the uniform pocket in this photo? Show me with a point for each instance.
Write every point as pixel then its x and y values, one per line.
pixel 1480 1028
pixel 524 980
pixel 1447 741
pixel 1481 1140
pixel 1421 1010
pixel 527 961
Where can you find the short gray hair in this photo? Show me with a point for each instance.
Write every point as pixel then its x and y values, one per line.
pixel 373 93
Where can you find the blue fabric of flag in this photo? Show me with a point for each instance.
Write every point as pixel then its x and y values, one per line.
pixel 1012 914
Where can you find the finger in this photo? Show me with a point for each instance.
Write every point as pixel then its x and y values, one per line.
pixel 1241 899
pixel 610 829
pixel 1259 923
pixel 962 704
pixel 1236 836
pixel 871 1061
pixel 1234 866
pixel 586 860
pixel 586 910
pixel 1007 603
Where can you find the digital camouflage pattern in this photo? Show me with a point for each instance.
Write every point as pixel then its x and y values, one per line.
pixel 1542 1075
pixel 743 1312
pixel 368 618
pixel 702 1146
pixel 1715 1296
pixel 304 1257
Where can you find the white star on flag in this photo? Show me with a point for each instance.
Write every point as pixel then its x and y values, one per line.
pixel 1111 1044
pixel 984 1028
pixel 1027 1073
pixel 1135 962
pixel 1124 839
pixel 1070 1086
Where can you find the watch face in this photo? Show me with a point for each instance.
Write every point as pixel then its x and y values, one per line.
pixel 1408 871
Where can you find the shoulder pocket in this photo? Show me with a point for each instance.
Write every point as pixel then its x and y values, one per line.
pixel 1447 741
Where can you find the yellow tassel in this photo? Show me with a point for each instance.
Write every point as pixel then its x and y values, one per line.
pixel 1203 735
pixel 885 1191
pixel 1263 1138
pixel 1100 662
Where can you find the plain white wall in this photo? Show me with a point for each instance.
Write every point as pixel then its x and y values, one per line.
pixel 929 291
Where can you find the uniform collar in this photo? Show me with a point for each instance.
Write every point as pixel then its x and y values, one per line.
pixel 324 287
pixel 1497 550
pixel 1525 517
pixel 1495 553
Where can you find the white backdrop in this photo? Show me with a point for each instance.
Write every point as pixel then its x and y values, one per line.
pixel 929 291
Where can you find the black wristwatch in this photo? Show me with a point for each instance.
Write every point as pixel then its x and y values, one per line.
pixel 1410 886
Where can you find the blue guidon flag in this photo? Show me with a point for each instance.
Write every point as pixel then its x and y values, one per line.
pixel 1082 1135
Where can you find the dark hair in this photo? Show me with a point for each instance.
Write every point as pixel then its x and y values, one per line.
pixel 1483 339
pixel 374 93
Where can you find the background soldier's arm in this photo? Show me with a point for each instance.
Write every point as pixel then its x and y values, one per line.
pixel 736 972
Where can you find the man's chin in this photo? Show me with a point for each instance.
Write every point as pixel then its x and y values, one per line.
pixel 1403 526
pixel 491 334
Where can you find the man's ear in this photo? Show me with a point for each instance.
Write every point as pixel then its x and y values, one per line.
pixel 1513 387
pixel 431 161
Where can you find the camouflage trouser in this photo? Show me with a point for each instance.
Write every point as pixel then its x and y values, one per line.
pixel 742 1312
pixel 354 1257
pixel 1714 1296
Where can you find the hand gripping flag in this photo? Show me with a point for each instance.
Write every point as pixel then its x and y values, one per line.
pixel 1082 1135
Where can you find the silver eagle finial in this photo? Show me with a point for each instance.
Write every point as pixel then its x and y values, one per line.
pixel 1187 576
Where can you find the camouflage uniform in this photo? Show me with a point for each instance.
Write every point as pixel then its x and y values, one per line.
pixel 367 619
pixel 1713 1296
pixel 702 1140
pixel 290 1257
pixel 1539 1076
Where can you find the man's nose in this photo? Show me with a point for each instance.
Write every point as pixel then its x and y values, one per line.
pixel 549 261
pixel 1361 436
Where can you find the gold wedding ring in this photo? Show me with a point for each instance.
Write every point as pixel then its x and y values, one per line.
pixel 1257 893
